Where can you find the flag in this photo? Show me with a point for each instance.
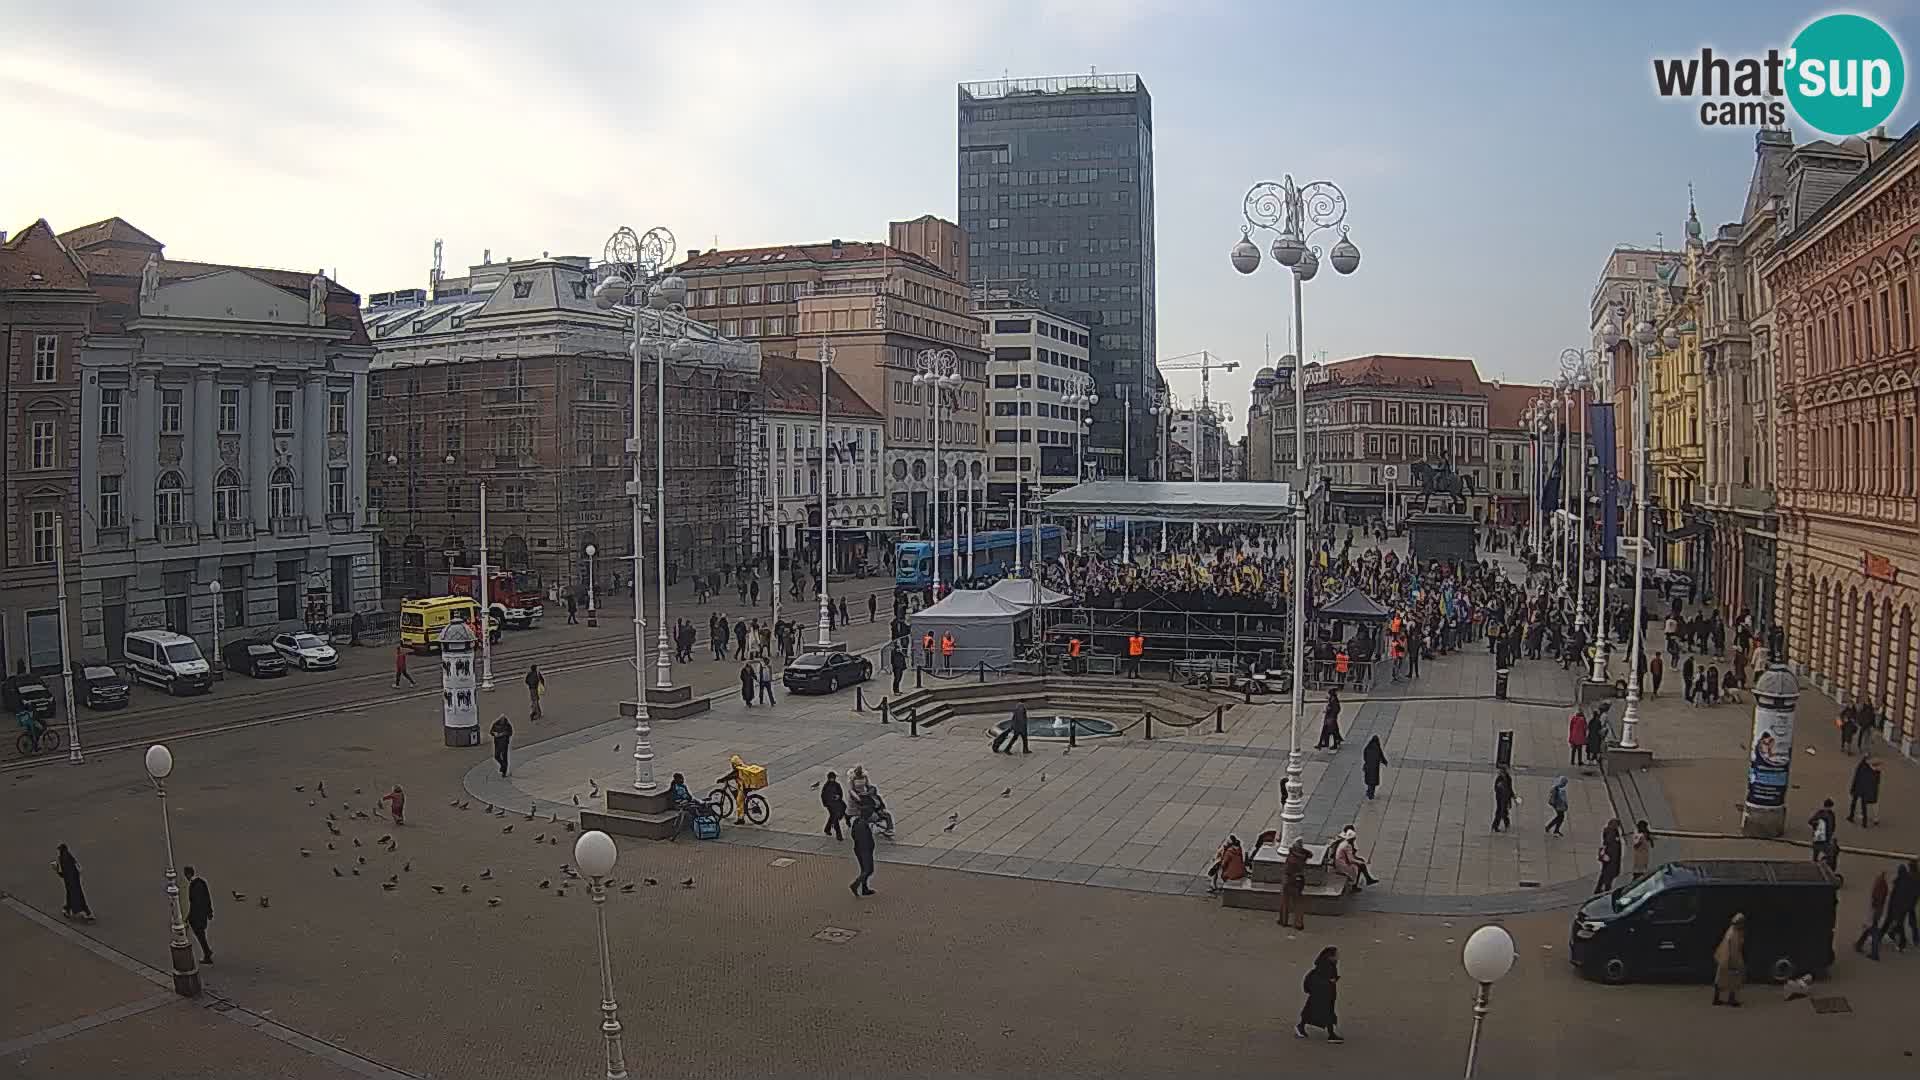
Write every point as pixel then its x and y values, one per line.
pixel 1550 491
pixel 1600 427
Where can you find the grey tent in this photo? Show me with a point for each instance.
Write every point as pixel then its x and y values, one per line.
pixel 1020 593
pixel 1354 606
pixel 985 627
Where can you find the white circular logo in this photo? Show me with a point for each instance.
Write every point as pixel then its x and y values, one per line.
pixel 1393 472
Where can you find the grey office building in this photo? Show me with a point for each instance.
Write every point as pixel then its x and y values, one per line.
pixel 1056 194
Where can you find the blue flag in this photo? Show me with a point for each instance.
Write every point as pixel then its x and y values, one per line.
pixel 1600 424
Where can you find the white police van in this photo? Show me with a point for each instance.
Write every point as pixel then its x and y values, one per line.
pixel 167 660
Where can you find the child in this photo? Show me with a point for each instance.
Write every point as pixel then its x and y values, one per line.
pixel 396 801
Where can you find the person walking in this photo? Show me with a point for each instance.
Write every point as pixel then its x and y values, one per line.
pixel 1687 679
pixel 1293 889
pixel 862 852
pixel 68 867
pixel 1016 729
pixel 765 671
pixel 1849 727
pixel 1730 962
pixel 1330 723
pixel 873 608
pixel 400 667
pixel 1576 737
pixel 573 611
pixel 844 618
pixel 502 732
pixel 1655 669
pixel 1642 845
pixel 1670 630
pixel 899 658
pixel 1503 800
pixel 835 800
pixel 1902 900
pixel 199 911
pixel 740 640
pixel 1322 987
pixel 1865 790
pixel 748 682
pixel 1609 857
pixel 1826 842
pixel 396 803
pixel 1557 802
pixel 1371 758
pixel 536 688
pixel 1869 939
pixel 1597 736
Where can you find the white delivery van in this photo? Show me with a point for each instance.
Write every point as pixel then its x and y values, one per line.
pixel 167 660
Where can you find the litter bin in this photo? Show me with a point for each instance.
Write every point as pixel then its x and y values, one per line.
pixel 1503 754
pixel 1500 683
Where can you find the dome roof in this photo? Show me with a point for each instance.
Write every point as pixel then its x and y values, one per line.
pixel 1264 375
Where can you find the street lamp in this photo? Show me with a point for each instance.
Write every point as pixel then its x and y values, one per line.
pixel 593 615
pixel 1163 409
pixel 1295 214
pixel 1643 336
pixel 1082 398
pixel 595 854
pixel 1487 957
pixel 1577 367
pixel 633 263
pixel 186 975
pixel 825 359
pixel 939 370
pixel 213 589
pixel 74 757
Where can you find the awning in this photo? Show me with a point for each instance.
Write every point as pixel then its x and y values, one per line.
pixel 1355 605
pixel 1189 502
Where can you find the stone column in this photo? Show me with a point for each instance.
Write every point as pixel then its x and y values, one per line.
pixel 203 427
pixel 357 451
pixel 313 449
pixel 143 451
pixel 260 451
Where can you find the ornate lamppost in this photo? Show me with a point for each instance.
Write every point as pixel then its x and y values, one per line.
pixel 1081 398
pixel 1643 336
pixel 939 372
pixel 1295 214
pixel 186 973
pixel 595 854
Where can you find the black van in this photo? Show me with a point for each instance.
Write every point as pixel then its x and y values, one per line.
pixel 1667 925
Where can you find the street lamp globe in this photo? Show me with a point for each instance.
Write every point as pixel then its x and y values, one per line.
pixel 213 587
pixel 1246 254
pixel 595 854
pixel 592 551
pixel 159 761
pixel 611 290
pixel 1488 955
pixel 1308 265
pixel 1345 255
pixel 672 290
pixel 392 460
pixel 451 458
pixel 1288 248
pixel 1671 339
pixel 1643 334
pixel 1610 334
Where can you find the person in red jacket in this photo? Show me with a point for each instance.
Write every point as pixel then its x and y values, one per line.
pixel 400 667
pixel 1577 736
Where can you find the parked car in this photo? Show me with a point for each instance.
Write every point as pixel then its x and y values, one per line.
pixel 167 660
pixel 825 672
pixel 99 686
pixel 308 652
pixel 1666 925
pixel 28 692
pixel 256 659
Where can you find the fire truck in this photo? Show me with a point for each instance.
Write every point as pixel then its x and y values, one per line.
pixel 513 596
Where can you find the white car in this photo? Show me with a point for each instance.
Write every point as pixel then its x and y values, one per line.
pixel 306 651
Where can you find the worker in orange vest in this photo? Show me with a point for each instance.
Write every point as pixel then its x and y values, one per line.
pixel 1136 645
pixel 1073 654
pixel 1399 648
pixel 946 649
pixel 1340 665
pixel 926 649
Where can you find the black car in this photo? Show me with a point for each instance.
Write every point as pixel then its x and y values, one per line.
pixel 825 672
pixel 258 659
pixel 1667 924
pixel 99 686
pixel 27 692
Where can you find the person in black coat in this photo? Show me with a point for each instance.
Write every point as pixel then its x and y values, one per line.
pixel 862 852
pixel 1371 759
pixel 749 682
pixel 835 800
pixel 1322 987
pixel 199 911
pixel 1016 729
pixel 898 657
pixel 502 732
pixel 1865 790
pixel 1502 800
pixel 1902 901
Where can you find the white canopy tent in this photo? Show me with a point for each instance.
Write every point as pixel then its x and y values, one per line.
pixel 1019 592
pixel 984 626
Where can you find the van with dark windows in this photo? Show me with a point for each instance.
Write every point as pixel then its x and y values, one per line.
pixel 167 660
pixel 1666 925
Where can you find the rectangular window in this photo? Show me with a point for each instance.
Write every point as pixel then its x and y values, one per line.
pixel 46 358
pixel 282 411
pixel 729 328
pixel 43 537
pixel 733 295
pixel 169 412
pixel 753 328
pixel 45 444
pixel 336 412
pixel 753 294
pixel 776 325
pixel 109 412
pixel 776 294
pixel 229 411
pixel 108 506
pixel 1906 317
pixel 286 588
pixel 233 596
pixel 337 490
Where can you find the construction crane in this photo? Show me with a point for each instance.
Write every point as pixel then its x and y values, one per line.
pixel 1206 364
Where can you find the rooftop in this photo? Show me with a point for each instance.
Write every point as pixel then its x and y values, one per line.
pixel 793 386
pixel 779 255
pixel 35 259
pixel 1453 374
pixel 1055 84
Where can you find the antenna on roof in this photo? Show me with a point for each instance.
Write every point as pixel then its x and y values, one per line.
pixel 433 277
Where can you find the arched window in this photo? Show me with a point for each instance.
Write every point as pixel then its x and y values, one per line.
pixel 280 488
pixel 226 496
pixel 170 499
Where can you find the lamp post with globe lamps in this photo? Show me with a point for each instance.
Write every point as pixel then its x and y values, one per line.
pixel 595 854
pixel 825 359
pixel 1643 336
pixel 593 615
pixel 186 974
pixel 1596 371
pixel 1574 368
pixel 1295 214
pixel 213 591
pixel 1488 957
pixel 939 372
pixel 1081 398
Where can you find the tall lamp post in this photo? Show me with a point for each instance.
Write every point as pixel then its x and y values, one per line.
pixel 186 974
pixel 1573 367
pixel 1592 368
pixel 593 613
pixel 939 372
pixel 595 854
pixel 1295 214
pixel 825 359
pixel 1081 399
pixel 1643 336
pixel 74 757
pixel 1488 956
pixel 1162 411
pixel 633 263
pixel 213 591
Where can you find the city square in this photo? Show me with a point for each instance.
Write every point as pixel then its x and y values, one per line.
pixel 933 574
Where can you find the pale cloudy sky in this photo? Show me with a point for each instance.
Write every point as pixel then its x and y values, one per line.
pixel 1491 153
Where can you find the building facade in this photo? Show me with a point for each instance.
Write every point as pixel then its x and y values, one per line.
pixel 1514 476
pixel 1844 280
pixel 849 469
pixel 224 418
pixel 1056 191
pixel 1036 360
pixel 1197 432
pixel 877 307
pixel 46 311
pixel 512 377
pixel 1635 285
pixel 1677 446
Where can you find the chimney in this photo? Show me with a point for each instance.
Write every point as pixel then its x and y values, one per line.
pixel 486 256
pixel 836 247
pixel 693 253
pixel 3 236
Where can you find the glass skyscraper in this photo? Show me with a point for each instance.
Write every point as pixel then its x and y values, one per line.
pixel 1056 195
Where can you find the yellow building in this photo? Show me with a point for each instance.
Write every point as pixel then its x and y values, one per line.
pixel 1678 458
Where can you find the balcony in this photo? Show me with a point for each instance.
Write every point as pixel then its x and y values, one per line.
pixel 178 534
pixel 290 526
pixel 235 530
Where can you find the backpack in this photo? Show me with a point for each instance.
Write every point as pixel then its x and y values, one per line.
pixel 1557 799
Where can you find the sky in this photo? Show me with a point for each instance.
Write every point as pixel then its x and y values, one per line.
pixel 1491 153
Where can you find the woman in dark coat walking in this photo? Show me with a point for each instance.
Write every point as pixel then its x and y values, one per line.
pixel 1371 759
pixel 749 682
pixel 1609 856
pixel 862 852
pixel 835 800
pixel 1865 790
pixel 1502 800
pixel 1322 988
pixel 69 870
pixel 1330 722
pixel 502 732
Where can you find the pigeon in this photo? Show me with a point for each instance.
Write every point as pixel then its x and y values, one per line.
pixel 815 786
pixel 362 858
pixel 406 868
pixel 499 811
pixel 305 854
pixel 387 839
pixel 554 840
pixel 239 896
pixel 356 871
pixel 561 892
pixel 389 886
pixel 393 879
pixel 616 748
pixel 464 804
pixel 953 817
pixel 627 887
pixel 322 786
pixel 508 829
pixel 330 845
pixel 337 873
pixel 438 888
pixel 487 874
pixel 357 791
pixel 330 816
pixel 530 809
pixel 266 901
pixel 576 800
pixel 1043 778
pixel 950 826
pixel 553 819
pixel 654 881
pixel 687 884
pixel 466 888
pixel 299 787
pixel 1006 793
pixel 544 882
pixel 569 826
pixel 539 838
pixel 356 841
pixel 455 803
pixel 593 787
pixel 332 828
pixel 493 901
pixel 311 802
pixel 359 815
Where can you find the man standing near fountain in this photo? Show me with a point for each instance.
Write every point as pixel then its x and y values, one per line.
pixel 1016 729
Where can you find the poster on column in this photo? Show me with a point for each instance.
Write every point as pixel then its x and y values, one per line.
pixel 1771 757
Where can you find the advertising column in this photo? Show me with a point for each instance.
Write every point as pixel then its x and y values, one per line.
pixel 1770 753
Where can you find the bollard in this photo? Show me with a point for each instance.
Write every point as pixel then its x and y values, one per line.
pixel 1073 732
pixel 885 711
pixel 1219 715
pixel 859 699
pixel 1149 727
pixel 913 723
pixel 983 671
pixel 916 677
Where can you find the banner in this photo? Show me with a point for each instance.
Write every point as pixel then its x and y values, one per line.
pixel 1600 428
pixel 1550 490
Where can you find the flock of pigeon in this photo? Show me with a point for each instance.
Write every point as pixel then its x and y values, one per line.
pixel 335 832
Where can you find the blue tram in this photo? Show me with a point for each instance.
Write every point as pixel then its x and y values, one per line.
pixel 993 556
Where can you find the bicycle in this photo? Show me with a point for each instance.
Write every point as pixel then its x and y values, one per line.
pixel 755 807
pixel 47 741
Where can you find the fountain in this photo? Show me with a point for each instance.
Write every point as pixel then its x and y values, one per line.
pixel 1061 727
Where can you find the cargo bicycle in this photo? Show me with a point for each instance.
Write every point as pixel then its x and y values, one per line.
pixel 753 805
